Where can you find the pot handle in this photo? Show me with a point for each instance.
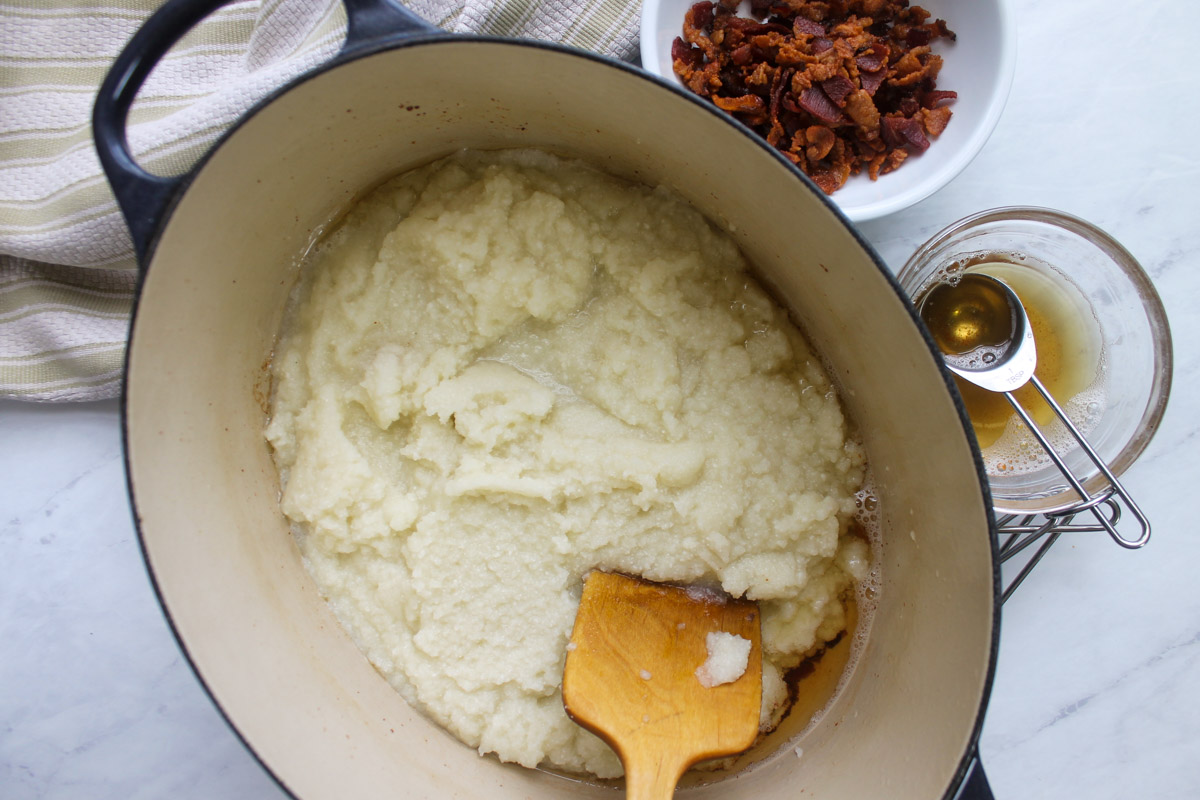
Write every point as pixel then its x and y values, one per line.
pixel 975 786
pixel 144 198
pixel 371 21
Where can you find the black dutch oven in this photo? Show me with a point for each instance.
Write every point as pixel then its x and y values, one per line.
pixel 219 249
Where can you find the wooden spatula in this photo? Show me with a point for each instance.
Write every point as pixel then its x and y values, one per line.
pixel 631 679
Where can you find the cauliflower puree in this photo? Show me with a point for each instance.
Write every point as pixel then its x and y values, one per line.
pixel 504 370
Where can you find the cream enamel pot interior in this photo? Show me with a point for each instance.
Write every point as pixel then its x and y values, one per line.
pixel 219 248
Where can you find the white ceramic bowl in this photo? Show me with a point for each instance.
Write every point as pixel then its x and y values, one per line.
pixel 979 66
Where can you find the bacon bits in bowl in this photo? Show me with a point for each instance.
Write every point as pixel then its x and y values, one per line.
pixel 879 102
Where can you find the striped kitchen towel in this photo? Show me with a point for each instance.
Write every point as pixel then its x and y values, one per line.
pixel 67 273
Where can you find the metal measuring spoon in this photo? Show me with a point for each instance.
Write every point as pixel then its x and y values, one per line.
pixel 982 329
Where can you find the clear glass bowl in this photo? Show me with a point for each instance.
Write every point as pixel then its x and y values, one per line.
pixel 1120 307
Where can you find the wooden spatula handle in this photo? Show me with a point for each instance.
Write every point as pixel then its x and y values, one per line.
pixel 649 778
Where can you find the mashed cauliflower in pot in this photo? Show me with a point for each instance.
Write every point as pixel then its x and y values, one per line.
pixel 504 370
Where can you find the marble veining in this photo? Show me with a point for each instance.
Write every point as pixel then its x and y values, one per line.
pixel 1097 691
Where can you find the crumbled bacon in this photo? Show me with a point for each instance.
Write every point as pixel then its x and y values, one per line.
pixel 873 59
pixel 932 98
pixel 802 27
pixel 816 102
pixel 702 14
pixel 935 120
pixel 861 108
pixel 821 45
pixel 838 86
pixel 690 56
pixel 871 81
pixel 820 141
pixel 905 132
pixel 917 37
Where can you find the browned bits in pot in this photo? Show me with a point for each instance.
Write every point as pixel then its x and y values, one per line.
pixel 837 86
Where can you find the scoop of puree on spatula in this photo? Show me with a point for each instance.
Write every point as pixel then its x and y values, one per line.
pixel 639 676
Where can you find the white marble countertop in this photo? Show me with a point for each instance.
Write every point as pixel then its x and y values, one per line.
pixel 1097 693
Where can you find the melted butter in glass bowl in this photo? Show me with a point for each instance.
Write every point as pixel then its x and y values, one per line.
pixel 1104 346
